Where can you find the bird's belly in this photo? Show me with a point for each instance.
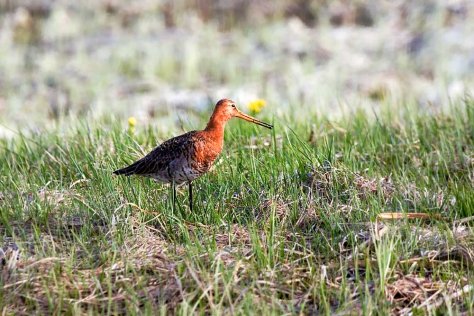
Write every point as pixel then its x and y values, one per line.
pixel 177 176
pixel 183 170
pixel 186 175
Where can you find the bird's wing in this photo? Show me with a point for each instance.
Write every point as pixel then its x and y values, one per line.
pixel 159 158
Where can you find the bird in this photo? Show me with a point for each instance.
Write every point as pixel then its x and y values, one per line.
pixel 185 158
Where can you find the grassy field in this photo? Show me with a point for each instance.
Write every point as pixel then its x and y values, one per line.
pixel 373 113
pixel 286 221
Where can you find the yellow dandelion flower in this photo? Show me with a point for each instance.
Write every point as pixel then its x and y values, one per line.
pixel 257 105
pixel 132 121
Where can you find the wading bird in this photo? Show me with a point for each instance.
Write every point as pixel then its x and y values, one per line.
pixel 186 157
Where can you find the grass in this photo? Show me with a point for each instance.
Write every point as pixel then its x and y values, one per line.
pixel 284 223
pixel 287 221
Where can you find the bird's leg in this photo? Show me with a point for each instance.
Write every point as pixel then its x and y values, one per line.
pixel 190 186
pixel 174 195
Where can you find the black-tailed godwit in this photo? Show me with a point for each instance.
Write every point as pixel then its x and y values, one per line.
pixel 189 156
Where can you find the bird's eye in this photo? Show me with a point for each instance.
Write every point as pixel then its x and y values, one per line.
pixel 233 105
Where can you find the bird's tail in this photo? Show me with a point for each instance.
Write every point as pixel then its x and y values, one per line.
pixel 127 171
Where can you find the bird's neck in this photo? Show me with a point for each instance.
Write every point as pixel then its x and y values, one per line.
pixel 216 126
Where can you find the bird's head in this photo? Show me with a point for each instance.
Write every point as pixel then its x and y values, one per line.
pixel 226 109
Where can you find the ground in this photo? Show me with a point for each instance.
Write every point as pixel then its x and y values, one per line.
pixel 359 201
pixel 284 222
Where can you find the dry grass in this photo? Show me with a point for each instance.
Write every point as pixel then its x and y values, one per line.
pixel 152 270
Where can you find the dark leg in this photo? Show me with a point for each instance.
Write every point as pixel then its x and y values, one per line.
pixel 190 186
pixel 174 195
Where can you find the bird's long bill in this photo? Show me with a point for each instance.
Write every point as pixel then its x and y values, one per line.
pixel 253 120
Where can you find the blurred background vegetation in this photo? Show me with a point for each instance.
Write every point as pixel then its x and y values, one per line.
pixel 162 61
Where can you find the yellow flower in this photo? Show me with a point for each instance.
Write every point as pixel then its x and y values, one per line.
pixel 257 105
pixel 131 125
pixel 132 122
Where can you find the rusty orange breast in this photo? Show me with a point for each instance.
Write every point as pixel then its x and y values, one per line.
pixel 207 147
